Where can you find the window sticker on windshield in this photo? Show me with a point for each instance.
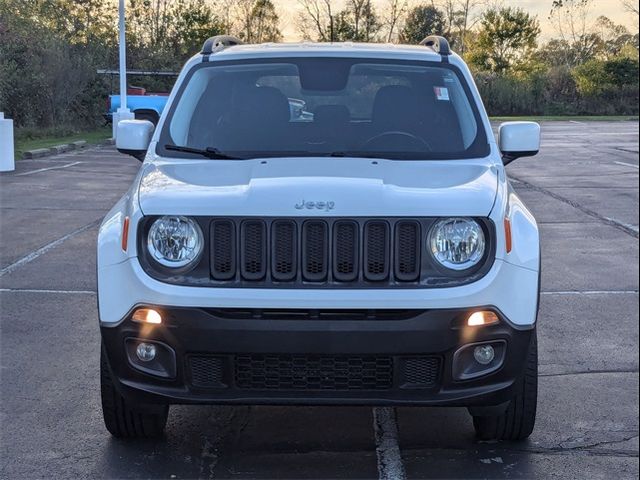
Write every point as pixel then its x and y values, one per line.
pixel 442 93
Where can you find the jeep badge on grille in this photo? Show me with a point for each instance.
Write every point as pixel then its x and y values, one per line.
pixel 326 206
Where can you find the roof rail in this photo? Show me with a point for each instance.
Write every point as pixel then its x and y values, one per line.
pixel 439 44
pixel 219 41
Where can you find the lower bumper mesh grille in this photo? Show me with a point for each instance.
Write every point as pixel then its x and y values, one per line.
pixel 310 372
pixel 313 372
pixel 421 372
pixel 206 371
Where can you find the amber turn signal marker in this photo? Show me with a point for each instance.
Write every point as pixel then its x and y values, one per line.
pixel 146 315
pixel 125 233
pixel 507 234
pixel 481 318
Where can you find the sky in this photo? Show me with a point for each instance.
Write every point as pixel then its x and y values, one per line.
pixel 610 8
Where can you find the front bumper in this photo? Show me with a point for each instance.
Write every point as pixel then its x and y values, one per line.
pixel 511 289
pixel 277 360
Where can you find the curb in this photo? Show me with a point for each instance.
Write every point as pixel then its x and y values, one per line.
pixel 57 149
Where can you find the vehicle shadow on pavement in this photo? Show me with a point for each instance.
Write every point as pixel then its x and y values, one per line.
pixel 307 442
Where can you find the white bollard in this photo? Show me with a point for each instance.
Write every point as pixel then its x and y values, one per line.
pixel 121 114
pixel 7 163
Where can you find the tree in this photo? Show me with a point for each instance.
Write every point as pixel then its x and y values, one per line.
pixel 506 38
pixel 358 21
pixel 395 12
pixel 422 21
pixel 570 19
pixel 597 76
pixel 613 37
pixel 193 22
pixel 259 21
pixel 51 81
pixel 317 19
pixel 631 6
pixel 460 18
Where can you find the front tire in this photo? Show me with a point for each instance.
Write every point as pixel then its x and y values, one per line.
pixel 518 420
pixel 123 418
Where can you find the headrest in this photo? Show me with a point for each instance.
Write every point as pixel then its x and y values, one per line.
pixel 265 104
pixel 393 100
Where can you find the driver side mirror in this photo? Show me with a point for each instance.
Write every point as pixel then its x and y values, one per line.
pixel 133 137
pixel 518 139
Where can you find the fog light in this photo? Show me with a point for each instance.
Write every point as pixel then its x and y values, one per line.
pixel 484 354
pixel 147 352
pixel 146 315
pixel 482 318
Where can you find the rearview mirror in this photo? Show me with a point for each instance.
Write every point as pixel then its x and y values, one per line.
pixel 133 137
pixel 518 139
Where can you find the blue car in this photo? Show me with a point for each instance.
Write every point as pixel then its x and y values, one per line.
pixel 145 106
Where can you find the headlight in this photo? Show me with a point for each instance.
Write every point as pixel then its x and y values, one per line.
pixel 457 243
pixel 175 241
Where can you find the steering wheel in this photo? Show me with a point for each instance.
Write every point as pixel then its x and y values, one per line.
pixel 396 139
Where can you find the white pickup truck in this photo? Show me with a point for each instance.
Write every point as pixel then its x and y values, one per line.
pixel 368 252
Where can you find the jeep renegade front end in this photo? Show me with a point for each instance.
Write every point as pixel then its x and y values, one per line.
pixel 321 224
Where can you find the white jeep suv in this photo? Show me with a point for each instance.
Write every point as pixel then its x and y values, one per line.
pixel 321 224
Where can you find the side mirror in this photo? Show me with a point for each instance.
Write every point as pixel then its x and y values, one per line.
pixel 133 137
pixel 518 139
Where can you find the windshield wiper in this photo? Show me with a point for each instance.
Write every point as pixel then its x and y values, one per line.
pixel 380 155
pixel 355 154
pixel 209 152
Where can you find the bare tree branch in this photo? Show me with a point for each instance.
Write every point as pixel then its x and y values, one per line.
pixel 631 6
pixel 396 11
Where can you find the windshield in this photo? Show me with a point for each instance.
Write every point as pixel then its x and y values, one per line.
pixel 324 107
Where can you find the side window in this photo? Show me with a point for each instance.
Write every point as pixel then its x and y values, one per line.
pixel 184 113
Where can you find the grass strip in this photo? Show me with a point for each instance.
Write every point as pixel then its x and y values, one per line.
pixel 26 141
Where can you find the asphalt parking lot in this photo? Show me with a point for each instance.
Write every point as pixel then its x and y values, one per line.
pixel 583 190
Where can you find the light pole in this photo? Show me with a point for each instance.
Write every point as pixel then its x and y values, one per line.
pixel 123 113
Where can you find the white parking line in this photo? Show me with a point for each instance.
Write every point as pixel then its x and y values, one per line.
pixel 626 225
pixel 627 164
pixel 48 168
pixel 592 292
pixel 42 250
pixel 390 465
pixel 35 290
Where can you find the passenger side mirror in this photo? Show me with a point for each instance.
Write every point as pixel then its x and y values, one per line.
pixel 518 139
pixel 133 137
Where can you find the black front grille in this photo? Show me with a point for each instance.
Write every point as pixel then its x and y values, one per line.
pixel 313 372
pixel 376 250
pixel 223 251
pixel 284 261
pixel 315 252
pixel 407 251
pixel 345 251
pixel 253 249
pixel 341 252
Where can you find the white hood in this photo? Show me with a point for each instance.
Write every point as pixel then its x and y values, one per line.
pixel 343 186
